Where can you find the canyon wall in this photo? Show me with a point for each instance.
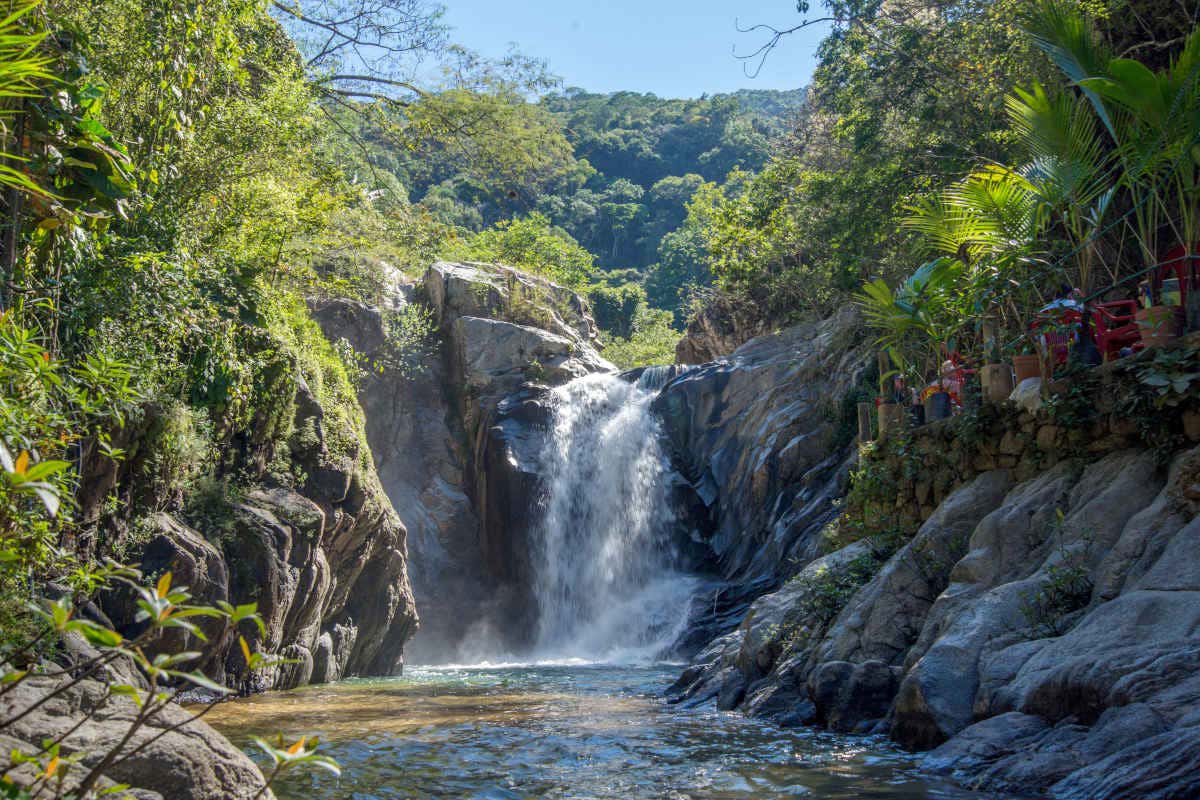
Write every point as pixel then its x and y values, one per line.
pixel 456 433
pixel 1018 589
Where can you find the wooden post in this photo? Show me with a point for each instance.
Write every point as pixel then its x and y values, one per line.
pixel 865 412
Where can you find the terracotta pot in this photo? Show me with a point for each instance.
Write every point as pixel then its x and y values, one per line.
pixel 997 380
pixel 1027 366
pixel 1158 325
pixel 891 417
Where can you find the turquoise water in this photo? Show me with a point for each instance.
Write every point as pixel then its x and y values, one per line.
pixel 566 731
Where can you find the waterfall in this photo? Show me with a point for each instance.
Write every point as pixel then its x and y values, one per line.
pixel 606 579
pixel 654 378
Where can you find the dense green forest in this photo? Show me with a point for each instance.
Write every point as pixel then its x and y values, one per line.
pixel 610 176
pixel 179 178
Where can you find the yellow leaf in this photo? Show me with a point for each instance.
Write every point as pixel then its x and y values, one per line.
pixel 22 463
pixel 164 584
pixel 245 648
pixel 52 767
pixel 296 747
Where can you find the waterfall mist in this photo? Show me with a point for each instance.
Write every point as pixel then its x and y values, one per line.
pixel 607 583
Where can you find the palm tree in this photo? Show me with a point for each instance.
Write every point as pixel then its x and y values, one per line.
pixel 919 318
pixel 1153 119
pixel 1069 169
pixel 994 217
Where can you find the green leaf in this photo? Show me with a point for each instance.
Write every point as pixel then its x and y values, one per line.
pixel 96 634
pixel 48 495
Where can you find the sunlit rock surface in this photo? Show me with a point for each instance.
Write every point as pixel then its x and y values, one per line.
pixel 946 646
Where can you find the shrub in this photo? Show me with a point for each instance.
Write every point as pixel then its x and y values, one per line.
pixel 826 592
pixel 653 341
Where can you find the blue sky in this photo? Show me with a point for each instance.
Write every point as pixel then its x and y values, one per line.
pixel 673 48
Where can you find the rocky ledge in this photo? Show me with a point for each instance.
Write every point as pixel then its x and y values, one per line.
pixel 324 560
pixel 765 449
pixel 172 757
pixel 1033 616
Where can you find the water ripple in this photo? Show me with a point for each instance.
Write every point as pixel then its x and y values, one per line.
pixel 580 732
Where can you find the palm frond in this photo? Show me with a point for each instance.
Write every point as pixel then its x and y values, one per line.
pixel 1063 32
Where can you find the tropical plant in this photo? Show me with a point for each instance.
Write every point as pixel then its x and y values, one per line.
pixel 1152 117
pixel 995 218
pixel 24 71
pixel 917 322
pixel 1069 169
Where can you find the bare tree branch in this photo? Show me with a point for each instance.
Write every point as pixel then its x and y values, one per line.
pixel 349 43
pixel 775 35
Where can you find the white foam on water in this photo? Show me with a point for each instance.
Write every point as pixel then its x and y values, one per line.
pixel 606 580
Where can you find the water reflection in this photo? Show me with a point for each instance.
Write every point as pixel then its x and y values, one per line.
pixel 559 732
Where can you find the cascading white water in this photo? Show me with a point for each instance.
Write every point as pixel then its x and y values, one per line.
pixel 606 579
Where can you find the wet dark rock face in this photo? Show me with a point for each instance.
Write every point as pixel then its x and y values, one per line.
pixel 324 554
pixel 754 437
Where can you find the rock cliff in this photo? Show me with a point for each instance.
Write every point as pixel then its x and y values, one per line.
pixel 1027 602
pixel 322 552
pixel 456 436
pixel 761 438
pixel 721 327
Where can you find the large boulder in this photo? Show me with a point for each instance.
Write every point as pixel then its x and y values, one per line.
pixel 988 606
pixel 853 697
pixel 768 648
pixel 720 328
pixel 498 356
pixel 885 618
pixel 328 552
pixel 172 546
pixel 172 756
pixel 494 291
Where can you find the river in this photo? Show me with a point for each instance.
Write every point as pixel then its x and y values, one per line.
pixel 610 590
pixel 558 731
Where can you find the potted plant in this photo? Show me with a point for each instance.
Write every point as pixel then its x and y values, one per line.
pixel 915 318
pixel 938 404
pixel 1026 364
pixel 1158 323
